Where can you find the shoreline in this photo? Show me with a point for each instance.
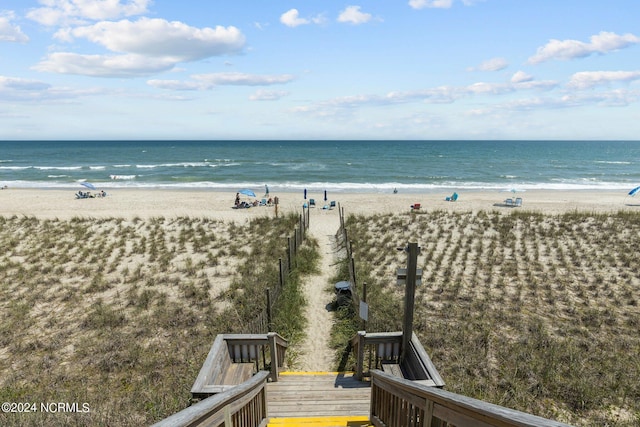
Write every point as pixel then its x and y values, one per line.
pixel 62 204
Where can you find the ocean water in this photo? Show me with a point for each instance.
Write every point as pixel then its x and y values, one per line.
pixel 363 166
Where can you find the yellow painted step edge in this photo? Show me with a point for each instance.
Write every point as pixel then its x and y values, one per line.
pixel 319 421
pixel 285 373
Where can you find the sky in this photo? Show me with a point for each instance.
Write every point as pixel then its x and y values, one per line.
pixel 319 69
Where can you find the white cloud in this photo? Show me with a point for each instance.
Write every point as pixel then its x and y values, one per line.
pixel 493 64
pixel 436 4
pixel 521 77
pixel 436 95
pixel 210 81
pixel 353 15
pixel 66 12
pixel 22 90
pixel 10 32
pixel 602 43
pixel 15 83
pixel 161 38
pixel 268 95
pixel 143 47
pixel 291 18
pixel 589 79
pixel 129 65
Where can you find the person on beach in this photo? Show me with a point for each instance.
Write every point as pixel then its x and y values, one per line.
pixel 237 199
pixel 266 190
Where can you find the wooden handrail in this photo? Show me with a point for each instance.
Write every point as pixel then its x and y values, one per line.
pixel 242 406
pixel 396 401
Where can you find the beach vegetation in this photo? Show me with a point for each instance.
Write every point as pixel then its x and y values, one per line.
pixel 533 311
pixel 121 313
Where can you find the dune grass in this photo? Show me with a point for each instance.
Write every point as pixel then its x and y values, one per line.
pixel 120 314
pixel 530 311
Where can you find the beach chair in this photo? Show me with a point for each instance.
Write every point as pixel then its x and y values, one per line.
pixel 263 202
pixel 518 202
pixel 453 198
pixel 332 204
pixel 312 203
pixel 415 206
pixel 509 202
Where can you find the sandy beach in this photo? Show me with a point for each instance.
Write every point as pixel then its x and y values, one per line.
pixel 62 204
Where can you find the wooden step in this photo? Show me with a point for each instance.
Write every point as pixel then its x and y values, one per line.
pixel 318 394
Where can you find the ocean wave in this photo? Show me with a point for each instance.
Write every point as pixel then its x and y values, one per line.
pixel 176 165
pixel 610 162
pixel 61 168
pixel 129 181
pixel 15 168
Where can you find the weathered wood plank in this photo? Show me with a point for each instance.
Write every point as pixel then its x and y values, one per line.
pixel 318 395
pixel 392 369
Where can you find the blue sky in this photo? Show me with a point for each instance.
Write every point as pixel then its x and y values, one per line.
pixel 315 69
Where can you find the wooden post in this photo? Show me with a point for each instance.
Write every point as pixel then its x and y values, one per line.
pixel 352 270
pixel 409 298
pixel 360 355
pixel 268 310
pixel 364 300
pixel 289 254
pixel 273 349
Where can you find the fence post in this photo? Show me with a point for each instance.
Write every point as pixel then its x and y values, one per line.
pixel 268 310
pixel 288 253
pixel 281 268
pixel 364 300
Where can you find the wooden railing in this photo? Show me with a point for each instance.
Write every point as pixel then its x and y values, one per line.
pixel 242 406
pixel 259 351
pixel 397 402
pixel 374 350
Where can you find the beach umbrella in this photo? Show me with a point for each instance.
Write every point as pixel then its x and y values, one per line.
pixel 634 191
pixel 88 185
pixel 247 192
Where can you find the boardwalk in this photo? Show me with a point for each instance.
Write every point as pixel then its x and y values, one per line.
pixel 317 395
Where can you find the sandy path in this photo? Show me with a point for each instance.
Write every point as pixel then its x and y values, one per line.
pixel 316 354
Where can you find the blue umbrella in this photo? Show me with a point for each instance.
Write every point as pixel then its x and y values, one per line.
pixel 634 191
pixel 247 192
pixel 88 185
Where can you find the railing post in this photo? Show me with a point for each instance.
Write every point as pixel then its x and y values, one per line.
pixel 409 298
pixel 227 416
pixel 273 349
pixel 360 355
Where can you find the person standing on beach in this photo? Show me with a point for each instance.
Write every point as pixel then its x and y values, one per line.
pixel 237 199
pixel 266 190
